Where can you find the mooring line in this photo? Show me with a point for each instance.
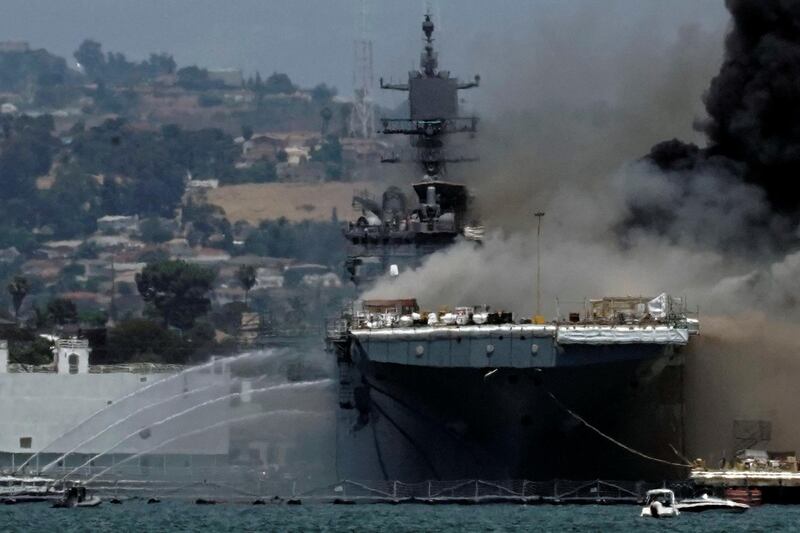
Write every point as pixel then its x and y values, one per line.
pixel 410 439
pixel 612 439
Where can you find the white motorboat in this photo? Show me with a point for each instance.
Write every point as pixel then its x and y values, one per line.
pixel 660 503
pixel 15 486
pixel 709 503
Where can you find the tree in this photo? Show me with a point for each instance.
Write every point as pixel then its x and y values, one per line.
pixel 159 64
pixel 153 231
pixel 329 151
pixel 18 289
pixel 322 93
pixel 194 78
pixel 178 291
pixel 278 83
pixel 62 311
pixel 326 115
pixel 27 348
pixel 90 56
pixel 140 340
pixel 247 277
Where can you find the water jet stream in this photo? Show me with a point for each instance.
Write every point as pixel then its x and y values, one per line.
pixel 285 386
pixel 122 420
pixel 201 430
pixel 227 360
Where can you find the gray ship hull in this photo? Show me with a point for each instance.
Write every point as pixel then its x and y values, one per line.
pixel 414 423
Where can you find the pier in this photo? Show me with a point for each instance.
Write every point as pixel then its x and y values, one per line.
pixel 751 486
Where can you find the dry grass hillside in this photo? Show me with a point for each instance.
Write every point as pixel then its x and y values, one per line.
pixel 254 202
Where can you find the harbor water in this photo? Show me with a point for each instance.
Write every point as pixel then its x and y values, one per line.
pixel 186 516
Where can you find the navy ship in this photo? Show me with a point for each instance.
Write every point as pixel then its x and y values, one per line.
pixel 468 392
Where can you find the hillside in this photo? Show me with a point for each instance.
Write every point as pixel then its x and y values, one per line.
pixel 254 202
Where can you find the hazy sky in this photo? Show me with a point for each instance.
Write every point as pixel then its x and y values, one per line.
pixel 312 40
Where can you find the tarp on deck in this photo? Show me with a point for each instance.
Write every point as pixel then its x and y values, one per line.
pixel 622 335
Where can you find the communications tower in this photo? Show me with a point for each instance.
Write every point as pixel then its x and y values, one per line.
pixel 362 116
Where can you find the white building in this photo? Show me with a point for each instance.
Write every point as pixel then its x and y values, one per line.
pixel 57 409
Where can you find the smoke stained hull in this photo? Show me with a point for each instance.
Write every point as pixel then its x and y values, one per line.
pixel 460 424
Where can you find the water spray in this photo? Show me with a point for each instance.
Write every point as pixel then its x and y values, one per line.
pixel 227 361
pixel 293 412
pixel 63 456
pixel 163 421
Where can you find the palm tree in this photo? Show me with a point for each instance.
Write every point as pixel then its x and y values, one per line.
pixel 18 289
pixel 247 277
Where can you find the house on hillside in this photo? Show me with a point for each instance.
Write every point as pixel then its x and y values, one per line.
pixel 263 146
pixel 47 270
pixel 95 268
pixel 208 256
pixel 116 224
pixel 61 249
pixel 269 278
pixel 296 154
pixel 230 77
pixel 178 248
pixel 311 275
pixel 355 150
pixel 202 184
pixel 259 261
pixel 9 255
pixel 7 108
pixel 115 242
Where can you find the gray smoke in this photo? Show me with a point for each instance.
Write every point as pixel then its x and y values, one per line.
pixel 617 224
pixel 559 144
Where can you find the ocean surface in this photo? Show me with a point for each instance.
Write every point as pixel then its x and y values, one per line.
pixel 183 516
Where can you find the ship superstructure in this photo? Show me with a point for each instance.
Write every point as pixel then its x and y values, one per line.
pixel 396 229
pixel 470 392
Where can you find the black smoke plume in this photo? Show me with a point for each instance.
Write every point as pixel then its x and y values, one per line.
pixel 752 129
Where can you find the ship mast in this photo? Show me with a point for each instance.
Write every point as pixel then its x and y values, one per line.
pixel 433 104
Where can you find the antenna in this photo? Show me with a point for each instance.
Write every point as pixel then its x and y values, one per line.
pixel 362 117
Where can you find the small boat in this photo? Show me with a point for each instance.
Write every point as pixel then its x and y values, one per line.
pixel 660 503
pixel 16 486
pixel 76 497
pixel 709 503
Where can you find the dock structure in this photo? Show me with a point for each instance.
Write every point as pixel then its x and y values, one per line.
pixel 745 478
pixel 752 487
